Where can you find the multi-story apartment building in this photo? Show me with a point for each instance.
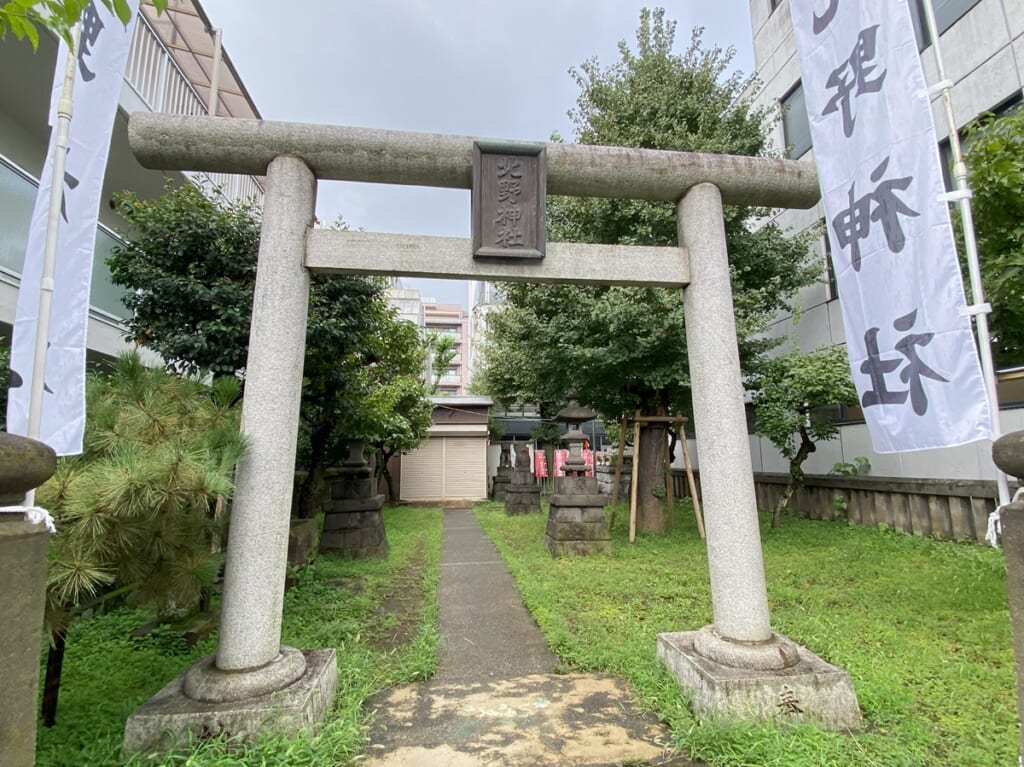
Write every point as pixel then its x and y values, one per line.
pixel 450 320
pixel 174 62
pixel 982 45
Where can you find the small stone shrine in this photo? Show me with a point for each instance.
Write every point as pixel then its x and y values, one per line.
pixel 503 476
pixel 523 495
pixel 576 521
pixel 353 522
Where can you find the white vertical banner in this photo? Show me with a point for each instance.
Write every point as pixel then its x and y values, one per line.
pixel 910 342
pixel 102 53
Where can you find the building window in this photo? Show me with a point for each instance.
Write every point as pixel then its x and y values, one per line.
pixel 1004 109
pixel 947 13
pixel 796 131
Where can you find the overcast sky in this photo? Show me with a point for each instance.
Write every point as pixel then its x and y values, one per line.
pixel 471 67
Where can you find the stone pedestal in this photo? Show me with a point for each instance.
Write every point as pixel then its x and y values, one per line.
pixel 172 718
pixel 808 690
pixel 1008 455
pixel 503 477
pixel 353 521
pixel 24 465
pixel 576 521
pixel 605 475
pixel 522 496
pixel 502 480
pixel 23 549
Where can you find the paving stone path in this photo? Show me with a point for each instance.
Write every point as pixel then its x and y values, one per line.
pixel 496 700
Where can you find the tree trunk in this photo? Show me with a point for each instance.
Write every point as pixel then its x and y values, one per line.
pixel 51 687
pixel 650 512
pixel 796 475
pixel 309 491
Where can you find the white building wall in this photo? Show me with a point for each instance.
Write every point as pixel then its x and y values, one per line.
pixel 983 54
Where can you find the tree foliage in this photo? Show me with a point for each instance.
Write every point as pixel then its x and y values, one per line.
pixel 190 267
pixel 624 349
pixel 995 159
pixel 24 18
pixel 792 394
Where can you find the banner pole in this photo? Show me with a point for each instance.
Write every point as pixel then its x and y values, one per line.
pixel 980 309
pixel 60 151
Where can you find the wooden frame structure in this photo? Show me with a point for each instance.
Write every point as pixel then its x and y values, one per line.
pixel 636 421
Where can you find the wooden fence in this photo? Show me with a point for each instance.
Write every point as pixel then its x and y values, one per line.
pixel 952 509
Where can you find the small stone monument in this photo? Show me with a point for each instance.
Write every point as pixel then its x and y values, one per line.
pixel 24 465
pixel 353 522
pixel 576 521
pixel 1008 455
pixel 523 495
pixel 503 477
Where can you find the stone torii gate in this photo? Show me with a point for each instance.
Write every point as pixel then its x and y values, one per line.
pixel 738 664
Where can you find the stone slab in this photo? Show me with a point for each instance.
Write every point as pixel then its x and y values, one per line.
pixel 347 505
pixel 813 690
pixel 169 719
pixel 561 499
pixel 559 548
pixel 356 487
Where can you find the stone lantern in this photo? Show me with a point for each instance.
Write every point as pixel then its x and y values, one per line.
pixel 576 520
pixel 574 415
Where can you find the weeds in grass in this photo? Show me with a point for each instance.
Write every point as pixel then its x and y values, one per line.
pixel 108 674
pixel 920 624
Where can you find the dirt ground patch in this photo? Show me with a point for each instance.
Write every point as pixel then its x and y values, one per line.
pixel 396 619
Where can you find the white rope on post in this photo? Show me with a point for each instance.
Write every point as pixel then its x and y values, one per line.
pixel 962 196
pixel 33 515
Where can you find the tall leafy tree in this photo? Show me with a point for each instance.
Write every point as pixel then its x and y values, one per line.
pixel 190 267
pixel 995 159
pixel 624 349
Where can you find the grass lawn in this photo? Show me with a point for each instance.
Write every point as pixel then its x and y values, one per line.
pixel 921 625
pixel 381 615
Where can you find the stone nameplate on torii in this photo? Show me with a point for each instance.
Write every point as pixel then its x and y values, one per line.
pixel 509 195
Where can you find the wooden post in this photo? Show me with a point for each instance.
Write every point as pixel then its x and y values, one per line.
pixel 693 486
pixel 635 476
pixel 669 490
pixel 618 469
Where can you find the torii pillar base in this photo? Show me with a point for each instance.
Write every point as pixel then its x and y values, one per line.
pixel 810 690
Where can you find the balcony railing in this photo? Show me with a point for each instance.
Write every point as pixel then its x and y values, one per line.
pixel 161 85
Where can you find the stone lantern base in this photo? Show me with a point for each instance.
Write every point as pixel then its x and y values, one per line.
pixel 577 525
pixel 353 521
pixel 501 482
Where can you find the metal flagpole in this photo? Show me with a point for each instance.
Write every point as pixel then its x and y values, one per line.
pixel 962 195
pixel 60 151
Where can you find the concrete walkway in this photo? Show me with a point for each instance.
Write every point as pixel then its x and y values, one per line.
pixel 495 699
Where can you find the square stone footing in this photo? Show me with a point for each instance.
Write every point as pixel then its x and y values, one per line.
pixel 811 691
pixel 169 720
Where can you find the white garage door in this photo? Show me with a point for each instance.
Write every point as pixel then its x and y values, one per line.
pixel 451 468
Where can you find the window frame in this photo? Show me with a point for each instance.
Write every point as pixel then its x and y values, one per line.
pixel 792 149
